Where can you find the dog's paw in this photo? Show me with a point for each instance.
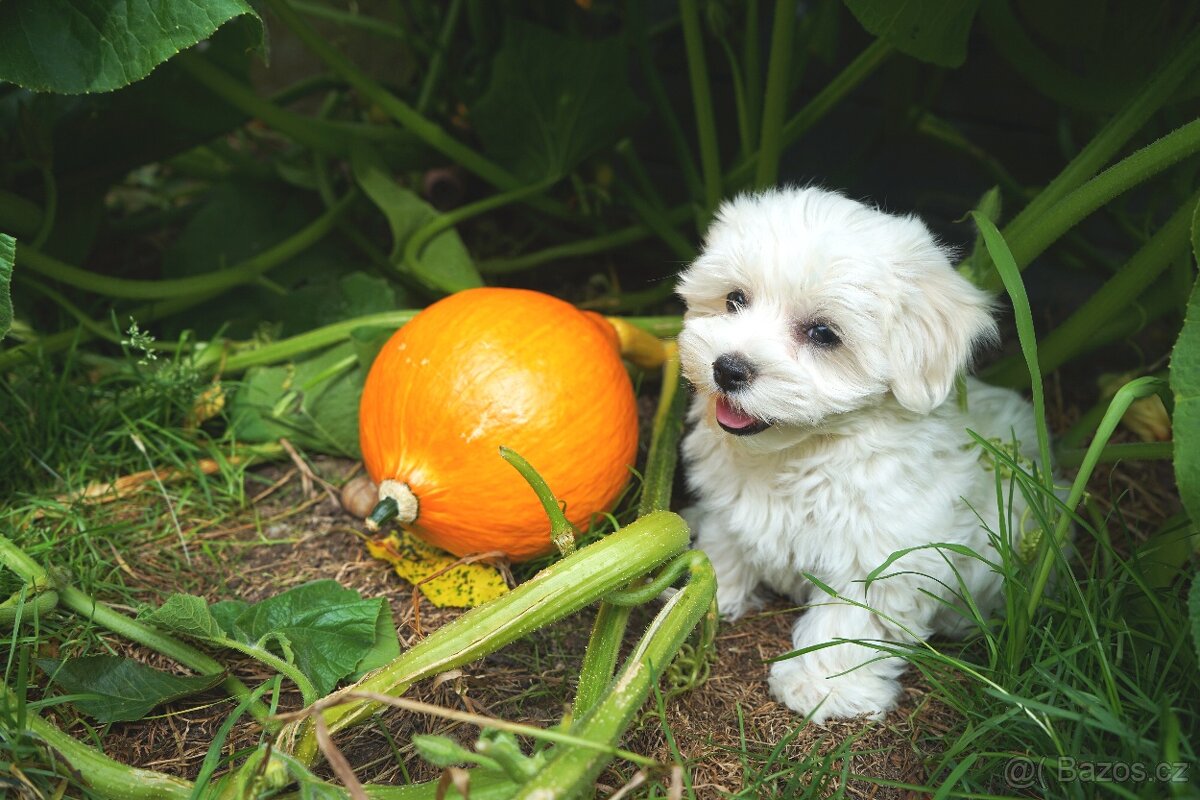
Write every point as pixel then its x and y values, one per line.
pixel 734 602
pixel 853 694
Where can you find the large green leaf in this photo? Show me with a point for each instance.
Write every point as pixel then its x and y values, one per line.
pixel 1185 384
pixel 313 403
pixel 122 689
pixel 930 30
pixel 328 628
pixel 81 46
pixel 553 100
pixel 8 252
pixel 443 265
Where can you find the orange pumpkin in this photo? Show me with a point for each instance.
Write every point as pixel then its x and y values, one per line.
pixel 485 368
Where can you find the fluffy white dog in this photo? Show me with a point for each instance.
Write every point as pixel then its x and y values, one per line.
pixel 823 339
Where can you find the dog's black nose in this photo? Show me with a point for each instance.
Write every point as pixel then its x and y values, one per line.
pixel 732 371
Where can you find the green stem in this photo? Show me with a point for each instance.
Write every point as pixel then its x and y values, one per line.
pixel 33 573
pixel 600 657
pixel 582 247
pixel 752 71
pixel 423 236
pixel 1111 138
pixel 351 20
pixel 659 475
pixel 434 71
pixel 1030 240
pixel 308 692
pixel 102 775
pixel 317 338
pixel 658 221
pixel 572 770
pixel 555 592
pixel 1142 387
pixel 706 124
pixel 635 13
pixel 562 532
pixel 1078 331
pixel 427 131
pixel 311 133
pixel 815 110
pixel 207 284
pixel 779 68
pixel 1069 458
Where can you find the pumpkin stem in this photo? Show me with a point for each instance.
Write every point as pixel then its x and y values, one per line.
pixel 397 501
pixel 562 532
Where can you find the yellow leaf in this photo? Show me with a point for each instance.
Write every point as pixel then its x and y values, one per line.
pixel 464 586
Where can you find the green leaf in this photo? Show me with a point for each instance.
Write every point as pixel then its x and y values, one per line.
pixel 328 628
pixel 929 30
pixel 81 46
pixel 123 689
pixel 8 252
pixel 1185 384
pixel 185 614
pixel 387 643
pixel 313 402
pixel 553 100
pixel 444 264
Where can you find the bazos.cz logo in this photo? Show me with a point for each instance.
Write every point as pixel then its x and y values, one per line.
pixel 1025 773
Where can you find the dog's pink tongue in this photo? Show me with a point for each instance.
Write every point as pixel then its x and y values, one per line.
pixel 732 417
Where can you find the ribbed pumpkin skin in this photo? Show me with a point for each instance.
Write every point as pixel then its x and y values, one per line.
pixel 489 367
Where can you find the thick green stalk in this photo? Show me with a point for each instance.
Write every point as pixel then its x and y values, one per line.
pixel 555 592
pixel 706 123
pixel 779 70
pixel 752 70
pixel 657 220
pixel 207 284
pixel 600 657
pixel 609 628
pixel 815 110
pixel 34 574
pixel 1031 240
pixel 658 477
pixel 1100 150
pixel 1078 331
pixel 99 773
pixel 572 771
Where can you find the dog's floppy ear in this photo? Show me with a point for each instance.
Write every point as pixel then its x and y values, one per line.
pixel 943 316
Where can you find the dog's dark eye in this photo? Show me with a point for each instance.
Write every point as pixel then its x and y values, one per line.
pixel 735 300
pixel 822 335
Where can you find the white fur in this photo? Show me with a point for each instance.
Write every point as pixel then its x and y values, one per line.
pixel 867 454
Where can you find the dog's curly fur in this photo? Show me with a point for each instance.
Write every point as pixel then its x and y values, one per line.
pixel 830 438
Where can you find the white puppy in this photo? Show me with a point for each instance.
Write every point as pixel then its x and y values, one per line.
pixel 823 339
